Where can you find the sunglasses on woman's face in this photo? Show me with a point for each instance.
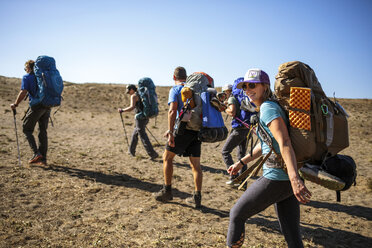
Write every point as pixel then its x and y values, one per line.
pixel 249 85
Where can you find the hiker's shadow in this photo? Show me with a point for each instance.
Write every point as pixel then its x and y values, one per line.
pixel 128 181
pixel 115 179
pixel 323 236
pixel 359 211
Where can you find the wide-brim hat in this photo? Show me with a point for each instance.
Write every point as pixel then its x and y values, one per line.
pixel 255 76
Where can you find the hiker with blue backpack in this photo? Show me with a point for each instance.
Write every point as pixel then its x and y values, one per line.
pixel 240 128
pixel 280 186
pixel 43 85
pixel 141 122
pixel 180 141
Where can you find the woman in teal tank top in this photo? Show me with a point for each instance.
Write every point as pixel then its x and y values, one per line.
pixel 276 187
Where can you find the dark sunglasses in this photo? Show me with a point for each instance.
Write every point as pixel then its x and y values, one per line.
pixel 250 85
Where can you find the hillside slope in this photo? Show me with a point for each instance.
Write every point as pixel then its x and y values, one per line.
pixel 92 194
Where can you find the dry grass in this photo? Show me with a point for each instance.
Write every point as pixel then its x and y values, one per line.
pixel 93 195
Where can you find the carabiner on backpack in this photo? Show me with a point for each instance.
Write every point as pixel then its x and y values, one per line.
pixel 324 109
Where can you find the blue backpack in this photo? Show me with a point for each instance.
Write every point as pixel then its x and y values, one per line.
pixel 146 92
pixel 213 127
pixel 246 108
pixel 49 82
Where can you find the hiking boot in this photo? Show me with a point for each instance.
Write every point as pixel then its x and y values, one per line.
pixel 231 181
pixel 163 195
pixel 43 162
pixel 154 156
pixel 194 200
pixel 37 158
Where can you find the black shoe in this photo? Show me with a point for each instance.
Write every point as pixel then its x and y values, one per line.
pixel 133 154
pixel 194 200
pixel 154 156
pixel 163 195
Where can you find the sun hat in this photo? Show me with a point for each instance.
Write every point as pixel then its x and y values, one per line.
pixel 255 76
pixel 227 87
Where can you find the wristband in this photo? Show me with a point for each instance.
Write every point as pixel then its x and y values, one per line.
pixel 242 162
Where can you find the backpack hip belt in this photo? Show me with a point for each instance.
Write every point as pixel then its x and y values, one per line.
pixel 275 161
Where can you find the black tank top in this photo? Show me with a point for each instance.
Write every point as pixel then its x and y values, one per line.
pixel 139 104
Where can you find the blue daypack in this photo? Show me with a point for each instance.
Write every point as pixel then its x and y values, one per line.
pixel 213 127
pixel 146 92
pixel 49 82
pixel 244 114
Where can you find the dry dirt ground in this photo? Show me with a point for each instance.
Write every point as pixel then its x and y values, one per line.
pixel 92 194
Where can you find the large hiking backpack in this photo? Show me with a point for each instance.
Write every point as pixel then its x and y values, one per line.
pixel 204 117
pixel 49 82
pixel 147 94
pixel 327 124
pixel 195 84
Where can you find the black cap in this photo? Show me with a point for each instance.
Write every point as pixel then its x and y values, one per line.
pixel 131 87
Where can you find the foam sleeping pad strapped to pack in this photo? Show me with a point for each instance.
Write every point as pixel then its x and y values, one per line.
pixel 49 82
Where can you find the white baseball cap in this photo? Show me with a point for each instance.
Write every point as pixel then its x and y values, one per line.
pixel 227 87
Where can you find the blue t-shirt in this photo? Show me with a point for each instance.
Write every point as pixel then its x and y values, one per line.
pixel 270 111
pixel 175 96
pixel 29 83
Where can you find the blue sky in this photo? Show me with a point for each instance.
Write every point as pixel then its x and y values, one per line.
pixel 122 41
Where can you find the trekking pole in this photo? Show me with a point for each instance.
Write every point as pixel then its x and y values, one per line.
pixel 153 136
pixel 15 127
pixel 245 124
pixel 125 132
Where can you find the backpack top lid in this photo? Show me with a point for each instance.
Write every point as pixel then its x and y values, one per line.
pixel 146 82
pixel 44 63
pixel 296 74
pixel 197 82
pixel 209 78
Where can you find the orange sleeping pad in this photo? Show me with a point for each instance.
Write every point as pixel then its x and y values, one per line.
pixel 300 98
